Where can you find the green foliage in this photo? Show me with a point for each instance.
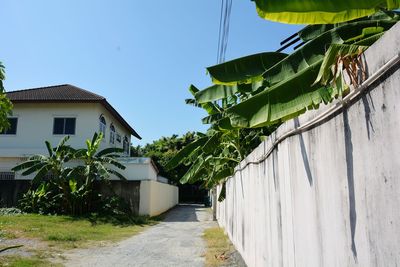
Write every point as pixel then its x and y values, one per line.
pixel 320 12
pixel 163 150
pixel 58 188
pixel 5 103
pixel 45 199
pixel 253 95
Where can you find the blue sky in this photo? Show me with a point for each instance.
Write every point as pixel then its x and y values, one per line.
pixel 140 55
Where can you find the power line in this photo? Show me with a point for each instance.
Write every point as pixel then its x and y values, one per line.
pixel 223 33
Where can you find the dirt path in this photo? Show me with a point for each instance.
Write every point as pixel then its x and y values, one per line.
pixel 174 242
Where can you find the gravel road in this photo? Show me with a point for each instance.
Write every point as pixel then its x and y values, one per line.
pixel 176 241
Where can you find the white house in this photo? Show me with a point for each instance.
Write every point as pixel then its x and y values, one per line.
pixel 49 113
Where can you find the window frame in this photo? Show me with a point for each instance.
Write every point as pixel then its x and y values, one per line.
pixel 64 125
pixel 112 134
pixel 126 141
pixel 102 125
pixel 16 127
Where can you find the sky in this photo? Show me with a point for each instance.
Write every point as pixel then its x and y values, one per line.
pixel 141 55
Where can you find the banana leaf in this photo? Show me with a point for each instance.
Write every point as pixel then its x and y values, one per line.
pixel 245 69
pixel 315 50
pixel 211 108
pixel 185 152
pixel 311 32
pixel 320 12
pixel 285 100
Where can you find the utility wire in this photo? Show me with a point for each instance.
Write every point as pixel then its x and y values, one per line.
pixel 223 33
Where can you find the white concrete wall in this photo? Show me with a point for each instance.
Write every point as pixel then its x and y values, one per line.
pixel 156 197
pixel 329 196
pixel 35 125
pixel 138 169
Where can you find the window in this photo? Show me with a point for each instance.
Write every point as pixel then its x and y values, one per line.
pixel 103 125
pixel 7 176
pixel 126 145
pixel 13 127
pixel 118 138
pixel 112 134
pixel 64 126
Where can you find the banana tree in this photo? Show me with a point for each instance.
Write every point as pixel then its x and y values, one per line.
pixel 214 156
pixel 253 95
pixel 51 169
pixel 320 12
pixel 290 87
pixel 97 165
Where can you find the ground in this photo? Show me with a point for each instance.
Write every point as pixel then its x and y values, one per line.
pixel 186 237
pixel 177 241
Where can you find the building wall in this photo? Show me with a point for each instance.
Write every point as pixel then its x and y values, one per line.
pixel 156 197
pixel 331 195
pixel 35 125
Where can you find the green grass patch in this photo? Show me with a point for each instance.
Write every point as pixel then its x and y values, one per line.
pixel 70 232
pixel 17 261
pixel 218 247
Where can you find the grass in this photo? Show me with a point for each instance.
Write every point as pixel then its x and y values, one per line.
pixel 17 261
pixel 64 232
pixel 218 247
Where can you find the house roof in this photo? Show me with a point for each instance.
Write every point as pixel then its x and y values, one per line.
pixel 65 93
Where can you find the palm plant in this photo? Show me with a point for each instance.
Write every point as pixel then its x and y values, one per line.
pixel 51 168
pixel 97 165
pixel 74 184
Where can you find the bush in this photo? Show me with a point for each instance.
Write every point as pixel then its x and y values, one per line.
pixel 10 211
pixel 43 200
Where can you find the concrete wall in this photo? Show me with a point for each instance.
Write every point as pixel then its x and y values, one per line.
pixel 138 169
pixel 331 195
pixel 156 197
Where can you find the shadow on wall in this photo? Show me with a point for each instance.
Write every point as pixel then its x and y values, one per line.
pixel 350 180
pixel 304 153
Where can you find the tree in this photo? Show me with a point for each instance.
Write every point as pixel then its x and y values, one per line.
pixel 51 171
pixel 55 176
pixel 164 149
pixel 253 95
pixel 5 103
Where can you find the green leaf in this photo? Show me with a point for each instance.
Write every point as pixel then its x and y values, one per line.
pixel 25 165
pixel 222 174
pixel 49 148
pixel 215 92
pixel 283 101
pixel 320 12
pixel 212 143
pixel 315 50
pixel 34 168
pixel 73 185
pixel 196 166
pixel 185 152
pixel 211 108
pixel 245 69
